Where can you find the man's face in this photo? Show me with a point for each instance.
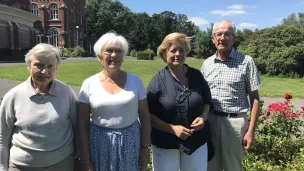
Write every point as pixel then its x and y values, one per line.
pixel 223 38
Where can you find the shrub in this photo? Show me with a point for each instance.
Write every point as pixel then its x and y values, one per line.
pixel 151 54
pixel 78 51
pixel 278 136
pixel 143 55
pixel 277 50
pixel 72 52
pixel 133 53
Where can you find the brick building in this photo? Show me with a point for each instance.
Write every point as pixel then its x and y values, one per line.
pixel 62 22
pixel 24 23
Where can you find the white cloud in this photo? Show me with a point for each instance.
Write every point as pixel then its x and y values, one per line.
pixel 239 6
pixel 199 21
pixel 248 25
pixel 232 10
pixel 228 12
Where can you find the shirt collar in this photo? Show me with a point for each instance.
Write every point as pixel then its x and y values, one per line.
pixel 231 55
pixel 31 91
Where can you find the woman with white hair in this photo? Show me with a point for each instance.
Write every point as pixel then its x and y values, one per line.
pixel 38 118
pixel 114 101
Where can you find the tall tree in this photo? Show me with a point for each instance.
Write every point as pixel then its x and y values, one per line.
pixel 294 20
pixel 107 15
pixel 138 35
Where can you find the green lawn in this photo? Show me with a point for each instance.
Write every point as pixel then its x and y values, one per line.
pixel 74 73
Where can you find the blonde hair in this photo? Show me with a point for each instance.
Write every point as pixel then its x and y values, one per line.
pixel 179 38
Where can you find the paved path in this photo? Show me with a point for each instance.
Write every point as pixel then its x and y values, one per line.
pixel 6 85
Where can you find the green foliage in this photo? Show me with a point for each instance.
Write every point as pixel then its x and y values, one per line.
pixel 133 53
pixel 139 29
pixel 203 45
pixel 72 52
pixel 276 50
pixel 279 138
pixel 292 19
pixel 143 55
pixel 251 162
pixel 288 61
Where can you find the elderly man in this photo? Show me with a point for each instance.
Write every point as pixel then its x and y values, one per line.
pixel 38 117
pixel 231 76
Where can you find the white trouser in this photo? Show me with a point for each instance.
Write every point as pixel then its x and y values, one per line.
pixel 174 159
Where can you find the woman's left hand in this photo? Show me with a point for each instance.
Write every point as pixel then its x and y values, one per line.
pixel 144 158
pixel 197 124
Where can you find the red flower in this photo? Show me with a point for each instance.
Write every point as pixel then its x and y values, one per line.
pixel 302 108
pixel 287 96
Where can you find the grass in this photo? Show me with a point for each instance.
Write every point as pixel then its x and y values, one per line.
pixel 73 73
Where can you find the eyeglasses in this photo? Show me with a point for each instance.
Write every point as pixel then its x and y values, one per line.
pixel 218 35
pixel 183 96
pixel 111 51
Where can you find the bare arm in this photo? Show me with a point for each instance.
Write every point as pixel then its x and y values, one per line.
pixel 83 120
pixel 145 121
pixel 255 108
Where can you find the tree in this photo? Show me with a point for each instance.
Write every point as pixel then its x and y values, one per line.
pixel 241 36
pixel 138 35
pixel 292 19
pixel 203 46
pixel 273 50
pixel 106 15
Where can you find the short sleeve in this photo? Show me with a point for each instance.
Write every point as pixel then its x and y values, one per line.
pixel 142 93
pixel 84 93
pixel 253 81
pixel 153 96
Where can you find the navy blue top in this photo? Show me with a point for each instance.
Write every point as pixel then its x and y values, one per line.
pixel 177 105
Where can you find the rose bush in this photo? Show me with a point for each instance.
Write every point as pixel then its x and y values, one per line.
pixel 279 136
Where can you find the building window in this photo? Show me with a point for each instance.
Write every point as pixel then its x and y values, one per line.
pixel 34 9
pixel 53 12
pixel 53 37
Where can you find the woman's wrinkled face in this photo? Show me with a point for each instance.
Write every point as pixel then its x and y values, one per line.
pixel 43 69
pixel 112 57
pixel 176 54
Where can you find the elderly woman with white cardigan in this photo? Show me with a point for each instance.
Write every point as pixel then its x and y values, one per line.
pixel 37 118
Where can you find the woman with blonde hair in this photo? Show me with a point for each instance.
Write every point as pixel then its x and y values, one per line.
pixel 179 101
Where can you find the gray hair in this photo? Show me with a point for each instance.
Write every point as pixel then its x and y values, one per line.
pixel 110 39
pixel 233 26
pixel 43 50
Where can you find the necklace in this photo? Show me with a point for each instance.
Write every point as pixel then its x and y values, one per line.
pixel 109 79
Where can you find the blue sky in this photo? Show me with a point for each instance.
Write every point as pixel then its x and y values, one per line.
pixel 244 14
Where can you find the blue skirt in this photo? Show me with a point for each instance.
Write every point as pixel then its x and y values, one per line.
pixel 115 149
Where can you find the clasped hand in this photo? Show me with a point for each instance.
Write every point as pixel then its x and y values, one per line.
pixel 183 132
